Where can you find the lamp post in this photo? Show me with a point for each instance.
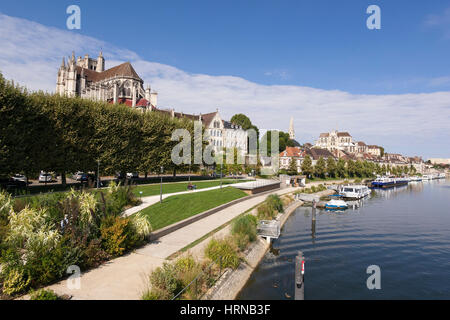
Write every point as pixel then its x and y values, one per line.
pixel 160 196
pixel 221 166
pixel 98 174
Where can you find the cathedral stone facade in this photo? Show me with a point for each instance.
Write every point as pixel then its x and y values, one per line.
pixel 87 78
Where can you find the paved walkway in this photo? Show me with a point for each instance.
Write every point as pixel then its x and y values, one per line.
pixel 125 278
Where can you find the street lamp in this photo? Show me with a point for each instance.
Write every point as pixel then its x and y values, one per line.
pixel 160 197
pixel 98 174
pixel 221 167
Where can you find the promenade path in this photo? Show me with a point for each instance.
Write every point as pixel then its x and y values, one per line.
pixel 126 278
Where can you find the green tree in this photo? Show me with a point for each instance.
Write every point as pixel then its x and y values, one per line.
pixel 341 168
pixel 351 168
pixel 320 168
pixel 292 166
pixel 331 167
pixel 307 168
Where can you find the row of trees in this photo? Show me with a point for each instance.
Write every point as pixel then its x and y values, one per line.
pixel 39 131
pixel 345 169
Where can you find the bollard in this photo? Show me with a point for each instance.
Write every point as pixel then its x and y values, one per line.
pixel 300 277
pixel 313 229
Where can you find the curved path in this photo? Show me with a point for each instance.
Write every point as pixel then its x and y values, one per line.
pixel 125 278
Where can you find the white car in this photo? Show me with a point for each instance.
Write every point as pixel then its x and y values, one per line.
pixel 133 175
pixel 45 177
pixel 19 177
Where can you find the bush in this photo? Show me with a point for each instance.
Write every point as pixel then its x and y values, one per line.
pixel 164 282
pixel 245 226
pixel 274 202
pixel 44 295
pixel 224 252
pixel 264 212
pixel 15 281
pixel 114 235
pixel 117 198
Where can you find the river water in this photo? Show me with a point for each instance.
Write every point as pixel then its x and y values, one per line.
pixel 405 231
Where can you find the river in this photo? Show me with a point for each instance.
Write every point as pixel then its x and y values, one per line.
pixel 405 231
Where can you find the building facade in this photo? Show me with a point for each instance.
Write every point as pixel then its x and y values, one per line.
pixel 87 78
pixel 336 141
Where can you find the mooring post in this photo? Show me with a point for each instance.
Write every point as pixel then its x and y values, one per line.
pixel 300 277
pixel 314 206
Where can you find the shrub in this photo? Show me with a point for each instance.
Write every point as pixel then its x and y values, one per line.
pixel 48 265
pixel 15 281
pixel 188 270
pixel 6 204
pixel 88 206
pixel 154 294
pixel 117 198
pixel 223 250
pixel 242 241
pixel 140 227
pixel 274 202
pixel 114 235
pixel 44 295
pixel 313 189
pixel 245 226
pixel 264 212
pixel 164 282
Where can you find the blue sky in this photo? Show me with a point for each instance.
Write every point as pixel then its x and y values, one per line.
pixel 318 53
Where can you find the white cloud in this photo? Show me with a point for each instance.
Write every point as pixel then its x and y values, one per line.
pixel 441 21
pixel 412 123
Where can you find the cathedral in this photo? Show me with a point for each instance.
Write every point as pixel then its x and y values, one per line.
pixel 87 78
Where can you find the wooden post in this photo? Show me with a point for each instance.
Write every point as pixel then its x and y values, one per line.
pixel 299 277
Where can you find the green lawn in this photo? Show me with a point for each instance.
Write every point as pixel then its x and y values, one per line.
pixel 179 207
pixel 154 189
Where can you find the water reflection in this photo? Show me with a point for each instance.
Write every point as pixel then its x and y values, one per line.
pixel 394 229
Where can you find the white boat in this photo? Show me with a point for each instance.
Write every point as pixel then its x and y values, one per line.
pixel 355 192
pixel 426 177
pixel 336 205
pixel 442 175
pixel 416 178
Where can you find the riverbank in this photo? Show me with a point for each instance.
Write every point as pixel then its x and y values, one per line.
pixel 233 281
pixel 126 278
pixel 390 228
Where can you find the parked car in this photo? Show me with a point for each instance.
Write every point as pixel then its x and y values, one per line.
pixel 11 184
pixel 19 177
pixel 134 175
pixel 79 175
pixel 45 177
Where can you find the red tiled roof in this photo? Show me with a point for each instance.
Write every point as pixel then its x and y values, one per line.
pixel 324 135
pixel 292 152
pixel 343 134
pixel 129 102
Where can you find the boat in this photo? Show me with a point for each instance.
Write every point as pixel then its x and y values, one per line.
pixel 336 205
pixel 388 182
pixel 355 192
pixel 416 179
pixel 442 175
pixel 426 177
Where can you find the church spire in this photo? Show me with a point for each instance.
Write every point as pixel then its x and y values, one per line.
pixel 291 129
pixel 63 63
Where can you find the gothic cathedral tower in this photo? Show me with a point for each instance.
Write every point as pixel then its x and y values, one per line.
pixel 291 129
